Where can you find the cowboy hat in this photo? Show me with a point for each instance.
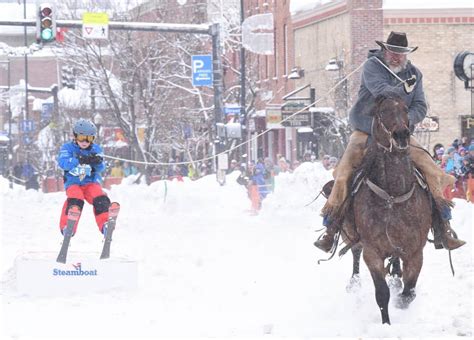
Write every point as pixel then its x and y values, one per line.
pixel 397 42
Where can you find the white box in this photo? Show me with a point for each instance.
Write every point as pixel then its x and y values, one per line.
pixel 38 273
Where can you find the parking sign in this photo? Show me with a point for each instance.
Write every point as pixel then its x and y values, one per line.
pixel 27 125
pixel 202 70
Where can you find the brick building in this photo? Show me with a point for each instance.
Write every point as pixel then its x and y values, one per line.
pixel 269 76
pixel 344 30
pixel 440 33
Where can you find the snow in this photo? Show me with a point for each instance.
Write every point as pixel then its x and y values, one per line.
pixel 418 4
pixel 209 269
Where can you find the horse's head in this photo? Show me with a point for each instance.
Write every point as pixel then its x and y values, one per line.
pixel 390 125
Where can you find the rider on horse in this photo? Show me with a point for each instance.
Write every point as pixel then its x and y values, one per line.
pixel 378 78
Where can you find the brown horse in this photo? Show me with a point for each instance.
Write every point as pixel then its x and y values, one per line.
pixel 390 214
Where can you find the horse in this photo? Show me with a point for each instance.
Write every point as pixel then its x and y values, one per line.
pixel 391 212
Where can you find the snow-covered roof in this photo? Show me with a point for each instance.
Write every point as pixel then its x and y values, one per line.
pixel 304 5
pixel 423 4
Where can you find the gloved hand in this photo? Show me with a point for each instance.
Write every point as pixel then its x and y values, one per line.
pixel 90 159
pixel 84 159
pixel 95 159
pixel 409 84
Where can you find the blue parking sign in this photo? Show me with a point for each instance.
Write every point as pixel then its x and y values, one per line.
pixel 27 125
pixel 47 111
pixel 202 70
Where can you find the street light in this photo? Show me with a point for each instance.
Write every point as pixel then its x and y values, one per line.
pixel 296 73
pixel 336 64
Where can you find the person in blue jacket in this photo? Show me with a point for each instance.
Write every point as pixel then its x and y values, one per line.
pixel 82 162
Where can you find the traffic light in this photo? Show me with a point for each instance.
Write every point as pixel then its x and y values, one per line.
pixel 45 23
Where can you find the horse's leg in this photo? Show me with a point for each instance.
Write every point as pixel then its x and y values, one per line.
pixel 395 272
pixel 411 270
pixel 354 282
pixel 377 270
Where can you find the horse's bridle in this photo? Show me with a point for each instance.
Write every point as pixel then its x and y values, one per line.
pixel 392 140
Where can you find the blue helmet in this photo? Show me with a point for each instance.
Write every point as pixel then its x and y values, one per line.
pixel 84 127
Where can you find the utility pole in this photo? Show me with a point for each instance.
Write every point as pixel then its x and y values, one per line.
pixel 243 113
pixel 27 110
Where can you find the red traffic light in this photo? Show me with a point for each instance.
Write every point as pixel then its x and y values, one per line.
pixel 46 11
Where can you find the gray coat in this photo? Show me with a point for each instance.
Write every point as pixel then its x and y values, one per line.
pixel 376 80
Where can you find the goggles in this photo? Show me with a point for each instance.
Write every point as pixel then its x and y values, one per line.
pixel 83 138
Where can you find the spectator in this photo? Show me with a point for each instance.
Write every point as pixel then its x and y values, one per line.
pixel 129 169
pixel 117 170
pixel 449 165
pixel 269 174
pixel 439 156
pixel 465 142
pixel 259 174
pixel 17 173
pixel 307 157
pixel 283 165
pixel 326 163
pixel 30 175
pixel 296 164
pixel 333 162
pixel 436 148
pixel 234 165
pixel 469 173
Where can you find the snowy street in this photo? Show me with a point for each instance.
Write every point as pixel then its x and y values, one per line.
pixel 206 268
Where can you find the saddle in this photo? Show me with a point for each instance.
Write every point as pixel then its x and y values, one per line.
pixel 358 179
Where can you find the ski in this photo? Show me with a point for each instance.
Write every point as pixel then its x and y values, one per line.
pixel 114 210
pixel 73 215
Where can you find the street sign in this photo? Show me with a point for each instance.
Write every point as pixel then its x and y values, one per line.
pixel 301 119
pixel 232 110
pixel 27 126
pixel 95 25
pixel 47 111
pixel 257 33
pixel 202 70
pixel 26 139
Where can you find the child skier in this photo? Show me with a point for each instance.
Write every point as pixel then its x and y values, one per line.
pixel 82 163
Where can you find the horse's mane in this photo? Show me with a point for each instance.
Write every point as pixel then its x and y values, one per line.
pixel 381 98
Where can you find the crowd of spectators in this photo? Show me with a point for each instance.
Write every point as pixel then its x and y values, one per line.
pixel 457 160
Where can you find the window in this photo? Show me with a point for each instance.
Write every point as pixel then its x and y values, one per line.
pixel 285 49
pixel 275 53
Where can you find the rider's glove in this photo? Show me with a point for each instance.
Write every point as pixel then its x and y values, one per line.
pixel 95 159
pixel 409 84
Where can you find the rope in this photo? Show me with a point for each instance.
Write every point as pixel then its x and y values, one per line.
pixel 17 179
pixel 254 137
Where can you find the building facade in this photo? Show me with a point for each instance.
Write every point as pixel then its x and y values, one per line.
pixel 345 30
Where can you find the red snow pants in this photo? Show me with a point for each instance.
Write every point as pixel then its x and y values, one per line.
pixel 94 195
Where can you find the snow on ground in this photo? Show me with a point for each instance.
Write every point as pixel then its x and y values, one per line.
pixel 209 269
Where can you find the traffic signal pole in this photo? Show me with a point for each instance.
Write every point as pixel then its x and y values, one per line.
pixel 212 30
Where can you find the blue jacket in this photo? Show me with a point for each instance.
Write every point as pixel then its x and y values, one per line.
pixel 68 160
pixel 376 80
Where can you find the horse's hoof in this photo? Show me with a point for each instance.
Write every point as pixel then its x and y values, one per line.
pixel 394 282
pixel 354 284
pixel 404 301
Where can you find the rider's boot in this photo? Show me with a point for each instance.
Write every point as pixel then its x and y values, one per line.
pixel 437 180
pixel 326 241
pixel 444 235
pixel 350 160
